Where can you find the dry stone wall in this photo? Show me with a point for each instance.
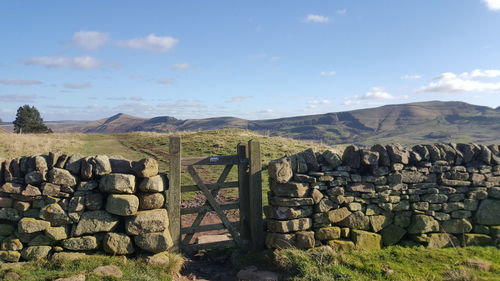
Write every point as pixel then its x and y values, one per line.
pixel 436 195
pixel 59 203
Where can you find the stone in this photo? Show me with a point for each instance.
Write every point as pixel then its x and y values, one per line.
pixel 76 204
pixel 10 256
pixel 341 245
pixel 79 277
pixel 54 214
pixel 332 158
pixel 316 195
pixel 494 192
pixel 380 222
pixel 11 275
pixel 356 220
pixel 423 224
pixel 11 244
pixel 160 260
pixel 328 233
pixel 101 165
pixel 94 201
pixel 122 204
pixel 73 164
pixel 84 243
pixel 67 256
pixel 87 185
pixel 362 187
pixel 145 168
pixel 280 240
pixel 6 229
pixel 96 221
pixel 117 183
pixel 11 188
pixel 117 244
pixel 290 189
pixel 30 225
pixel 384 159
pixel 287 213
pixel 9 214
pixel 351 157
pixel 434 198
pixel 338 215
pixel 412 177
pixel 12 265
pixel 31 191
pixel 147 222
pixel 304 239
pixel 472 239
pixel 34 178
pixel 456 226
pixel 290 225
pixel 150 201
pixel 154 242
pixel 108 271
pixel 290 202
pixel 36 253
pixel 61 177
pixel 56 233
pixel 488 212
pixel 392 234
pixel 324 206
pixel 153 184
pixel 398 154
pixel 366 240
pixel 442 240
pixel 86 169
pixel 52 190
pixel 280 170
pixel 6 202
pixel 369 158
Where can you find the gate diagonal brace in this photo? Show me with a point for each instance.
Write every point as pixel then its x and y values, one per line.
pixel 215 206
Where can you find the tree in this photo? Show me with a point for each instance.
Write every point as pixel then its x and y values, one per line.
pixel 29 121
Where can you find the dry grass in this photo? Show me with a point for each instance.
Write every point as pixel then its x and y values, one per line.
pixel 15 145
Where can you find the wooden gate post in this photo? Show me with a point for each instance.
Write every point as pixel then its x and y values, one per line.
pixel 174 191
pixel 255 195
pixel 244 194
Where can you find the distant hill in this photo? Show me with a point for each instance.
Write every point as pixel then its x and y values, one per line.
pixel 432 121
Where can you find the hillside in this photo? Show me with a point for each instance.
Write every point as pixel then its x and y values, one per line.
pixel 410 123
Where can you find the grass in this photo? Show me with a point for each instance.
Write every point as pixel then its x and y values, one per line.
pixel 415 264
pixel 133 269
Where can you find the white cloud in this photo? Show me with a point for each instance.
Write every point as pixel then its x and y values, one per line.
pixel 493 5
pixel 75 86
pixel 315 103
pixel 377 93
pixel 89 40
pixel 83 62
pixel 410 77
pixel 19 82
pixel 151 43
pixel 342 11
pixel 126 99
pixel 316 18
pixel 17 98
pixel 181 66
pixel 166 81
pixel 328 73
pixel 466 82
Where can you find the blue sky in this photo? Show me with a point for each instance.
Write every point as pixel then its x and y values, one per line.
pixel 86 60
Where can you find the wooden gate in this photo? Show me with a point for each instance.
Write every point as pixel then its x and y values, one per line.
pixel 248 232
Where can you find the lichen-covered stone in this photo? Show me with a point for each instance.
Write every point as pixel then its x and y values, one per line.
pixel 423 224
pixel 84 243
pixel 338 215
pixel 488 212
pixel 147 222
pixel 153 184
pixel 392 234
pixel 289 225
pixel 280 170
pixel 117 244
pixel 36 253
pixel 366 240
pixel 117 183
pixel 304 239
pixel 150 201
pixel 341 245
pixel 287 213
pixel 56 233
pixel 122 204
pixel 328 233
pixel 96 221
pixel 457 226
pixel 54 214
pixel 154 242
pixel 145 168
pixel 290 189
pixel 30 225
pixel 10 256
pixel 101 165
pixel 61 177
pixel 356 220
pixel 442 240
pixel 472 239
